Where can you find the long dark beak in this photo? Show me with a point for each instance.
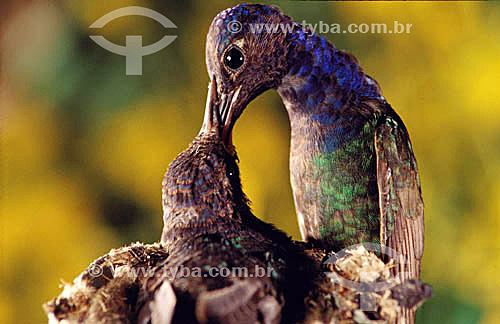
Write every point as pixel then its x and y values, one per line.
pixel 220 113
pixel 229 113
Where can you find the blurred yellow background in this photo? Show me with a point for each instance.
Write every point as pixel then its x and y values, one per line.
pixel 84 146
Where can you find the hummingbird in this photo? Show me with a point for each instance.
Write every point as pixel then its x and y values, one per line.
pixel 209 229
pixel 353 171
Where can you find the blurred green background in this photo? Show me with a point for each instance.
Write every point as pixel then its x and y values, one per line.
pixel 84 146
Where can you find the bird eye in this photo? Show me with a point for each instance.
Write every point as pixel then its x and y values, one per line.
pixel 234 58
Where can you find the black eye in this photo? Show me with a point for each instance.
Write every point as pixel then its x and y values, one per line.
pixel 234 59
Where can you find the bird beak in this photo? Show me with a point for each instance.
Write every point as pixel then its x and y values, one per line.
pixel 212 118
pixel 229 113
pixel 220 114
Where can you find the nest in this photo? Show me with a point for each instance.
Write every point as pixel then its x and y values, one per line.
pixel 355 288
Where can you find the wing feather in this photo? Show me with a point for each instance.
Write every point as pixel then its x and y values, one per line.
pixel 400 197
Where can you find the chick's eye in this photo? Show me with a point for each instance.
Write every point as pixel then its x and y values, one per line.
pixel 234 58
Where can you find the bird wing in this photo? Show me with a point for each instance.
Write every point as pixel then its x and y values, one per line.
pixel 245 301
pixel 400 197
pixel 161 308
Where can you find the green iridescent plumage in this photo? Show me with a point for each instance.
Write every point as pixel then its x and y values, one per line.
pixel 352 170
pixel 344 186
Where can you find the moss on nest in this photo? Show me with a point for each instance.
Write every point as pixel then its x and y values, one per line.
pixel 113 289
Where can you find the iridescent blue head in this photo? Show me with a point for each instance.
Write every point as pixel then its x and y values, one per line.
pixel 253 48
pixel 244 61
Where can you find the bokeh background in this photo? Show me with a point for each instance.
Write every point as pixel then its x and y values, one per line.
pixel 84 146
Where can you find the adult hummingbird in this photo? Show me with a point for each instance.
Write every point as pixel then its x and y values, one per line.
pixel 353 171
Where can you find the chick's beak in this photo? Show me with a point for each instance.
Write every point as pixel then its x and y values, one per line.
pixel 211 120
pixel 221 113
